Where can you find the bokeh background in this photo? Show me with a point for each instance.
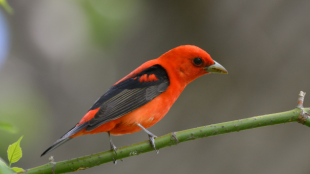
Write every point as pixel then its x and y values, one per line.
pixel 57 57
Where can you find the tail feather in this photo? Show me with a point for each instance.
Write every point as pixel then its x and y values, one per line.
pixel 66 137
pixel 55 145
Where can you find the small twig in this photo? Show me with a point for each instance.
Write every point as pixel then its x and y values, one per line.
pixel 51 159
pixel 301 98
pixel 303 116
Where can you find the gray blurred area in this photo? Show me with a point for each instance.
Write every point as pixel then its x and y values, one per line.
pixel 65 54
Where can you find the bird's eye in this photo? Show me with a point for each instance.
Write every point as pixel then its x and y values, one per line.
pixel 197 61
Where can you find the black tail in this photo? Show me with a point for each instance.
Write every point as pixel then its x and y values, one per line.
pixel 66 137
pixel 55 145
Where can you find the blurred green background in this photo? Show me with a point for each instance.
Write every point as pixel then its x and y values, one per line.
pixel 57 57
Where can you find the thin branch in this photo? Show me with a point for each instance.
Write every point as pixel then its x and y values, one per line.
pixel 301 98
pixel 299 114
pixel 303 116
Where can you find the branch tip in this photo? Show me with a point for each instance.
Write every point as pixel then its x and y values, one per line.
pixel 301 98
pixel 303 116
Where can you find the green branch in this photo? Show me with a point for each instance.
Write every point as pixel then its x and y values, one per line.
pixel 299 114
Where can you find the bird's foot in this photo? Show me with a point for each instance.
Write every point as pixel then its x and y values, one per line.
pixel 151 136
pixel 152 140
pixel 113 147
pixel 114 161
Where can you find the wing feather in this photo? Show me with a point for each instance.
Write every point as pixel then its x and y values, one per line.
pixel 129 95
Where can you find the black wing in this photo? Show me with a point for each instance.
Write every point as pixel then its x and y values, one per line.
pixel 129 95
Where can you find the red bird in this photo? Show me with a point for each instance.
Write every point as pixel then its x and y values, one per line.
pixel 144 96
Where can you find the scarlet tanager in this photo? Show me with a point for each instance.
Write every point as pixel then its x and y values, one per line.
pixel 143 97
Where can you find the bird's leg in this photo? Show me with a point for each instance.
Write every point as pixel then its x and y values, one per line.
pixel 112 146
pixel 151 137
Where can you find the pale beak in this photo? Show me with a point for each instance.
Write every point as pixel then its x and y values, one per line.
pixel 216 68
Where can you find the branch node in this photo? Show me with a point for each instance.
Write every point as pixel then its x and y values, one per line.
pixel 303 116
pixel 174 136
pixel 51 159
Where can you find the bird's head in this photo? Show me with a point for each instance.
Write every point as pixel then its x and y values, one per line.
pixel 189 62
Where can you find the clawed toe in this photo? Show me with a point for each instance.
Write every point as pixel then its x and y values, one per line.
pixel 152 140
